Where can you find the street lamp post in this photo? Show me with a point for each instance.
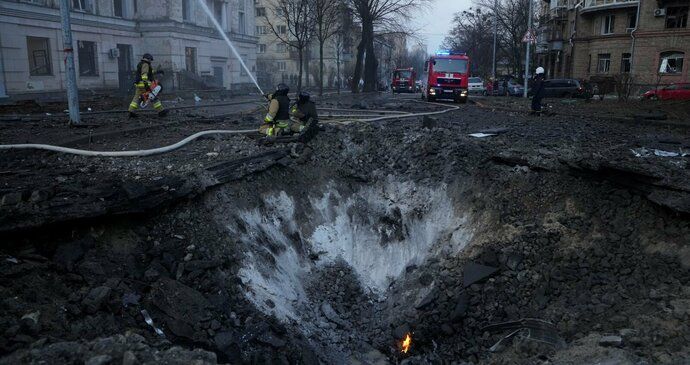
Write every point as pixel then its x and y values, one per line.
pixel 493 62
pixel 70 74
pixel 529 31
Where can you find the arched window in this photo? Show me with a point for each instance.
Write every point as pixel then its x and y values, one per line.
pixel 671 62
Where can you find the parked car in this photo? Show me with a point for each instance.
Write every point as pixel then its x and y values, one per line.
pixel 513 89
pixel 475 85
pixel 566 88
pixel 670 92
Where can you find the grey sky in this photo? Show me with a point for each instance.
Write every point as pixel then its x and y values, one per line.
pixel 435 23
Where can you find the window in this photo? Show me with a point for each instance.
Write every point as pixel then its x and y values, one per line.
pixel 282 29
pixel 261 48
pixel 261 11
pixel 279 12
pixel 190 59
pixel 86 52
pixel 632 20
pixel 671 62
pixel 589 64
pixel 604 63
pixel 117 8
pixel 449 65
pixel 39 56
pixel 677 17
pixel 186 10
pixel 261 29
pixel 625 63
pixel 218 11
pixel 240 23
pixel 282 66
pixel 83 5
pixel 281 48
pixel 607 24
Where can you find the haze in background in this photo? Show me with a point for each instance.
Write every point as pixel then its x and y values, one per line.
pixel 435 23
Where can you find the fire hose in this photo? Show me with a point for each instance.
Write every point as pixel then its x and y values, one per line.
pixel 183 142
pixel 133 153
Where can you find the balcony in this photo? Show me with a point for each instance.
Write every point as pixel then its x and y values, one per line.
pixel 596 5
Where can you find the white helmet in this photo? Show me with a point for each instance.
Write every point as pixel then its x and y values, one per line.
pixel 540 70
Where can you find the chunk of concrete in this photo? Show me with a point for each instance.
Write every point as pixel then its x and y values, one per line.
pixel 95 298
pixel 331 315
pixel 611 341
pixel 474 273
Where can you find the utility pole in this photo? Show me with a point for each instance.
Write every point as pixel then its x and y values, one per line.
pixel 493 62
pixel 529 30
pixel 70 75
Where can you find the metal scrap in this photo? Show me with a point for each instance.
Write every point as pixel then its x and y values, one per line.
pixel 481 135
pixel 644 152
pixel 531 329
pixel 149 321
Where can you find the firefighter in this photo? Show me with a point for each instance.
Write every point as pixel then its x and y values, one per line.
pixel 302 113
pixel 142 82
pixel 537 90
pixel 277 119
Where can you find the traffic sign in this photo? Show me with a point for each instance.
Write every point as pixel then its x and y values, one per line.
pixel 529 37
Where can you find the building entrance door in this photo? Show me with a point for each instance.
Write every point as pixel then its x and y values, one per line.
pixel 125 69
pixel 218 76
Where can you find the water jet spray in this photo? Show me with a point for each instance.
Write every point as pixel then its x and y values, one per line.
pixel 227 40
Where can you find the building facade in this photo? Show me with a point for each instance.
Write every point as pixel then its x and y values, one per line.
pixel 589 39
pixel 110 36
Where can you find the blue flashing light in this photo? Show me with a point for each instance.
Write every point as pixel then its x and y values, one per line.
pixel 448 53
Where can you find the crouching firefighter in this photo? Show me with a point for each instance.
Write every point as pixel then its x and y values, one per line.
pixel 277 119
pixel 303 113
pixel 142 82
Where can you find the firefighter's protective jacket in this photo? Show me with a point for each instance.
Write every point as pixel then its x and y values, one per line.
pixel 278 108
pixel 144 74
pixel 304 111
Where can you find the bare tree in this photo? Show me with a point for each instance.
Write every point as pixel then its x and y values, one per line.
pixel 297 29
pixel 378 14
pixel 512 25
pixel 473 33
pixel 326 25
pixel 338 49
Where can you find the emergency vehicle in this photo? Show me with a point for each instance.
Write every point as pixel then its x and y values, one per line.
pixel 404 80
pixel 446 76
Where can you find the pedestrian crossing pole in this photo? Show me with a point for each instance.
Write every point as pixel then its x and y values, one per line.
pixel 70 75
pixel 529 42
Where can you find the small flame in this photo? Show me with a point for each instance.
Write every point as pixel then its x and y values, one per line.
pixel 406 343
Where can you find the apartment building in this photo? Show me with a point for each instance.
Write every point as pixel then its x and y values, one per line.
pixel 278 62
pixel 110 36
pixel 586 39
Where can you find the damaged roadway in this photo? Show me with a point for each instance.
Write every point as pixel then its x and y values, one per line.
pixel 246 253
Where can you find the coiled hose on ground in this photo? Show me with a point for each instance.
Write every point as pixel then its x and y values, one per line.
pixel 172 147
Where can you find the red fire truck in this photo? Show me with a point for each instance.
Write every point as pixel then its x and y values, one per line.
pixel 404 80
pixel 446 76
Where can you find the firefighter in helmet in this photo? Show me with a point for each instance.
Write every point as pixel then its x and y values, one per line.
pixel 302 113
pixel 537 90
pixel 277 119
pixel 142 82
